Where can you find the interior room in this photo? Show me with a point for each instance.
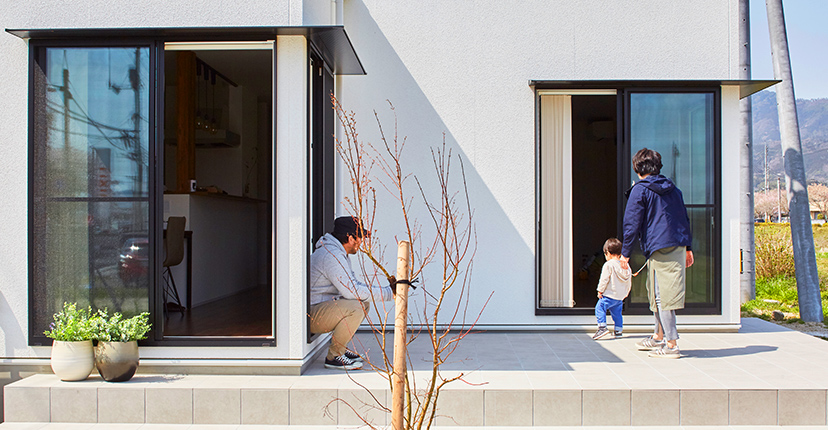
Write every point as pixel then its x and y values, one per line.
pixel 217 174
pixel 594 190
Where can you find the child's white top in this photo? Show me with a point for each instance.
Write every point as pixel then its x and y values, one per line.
pixel 615 282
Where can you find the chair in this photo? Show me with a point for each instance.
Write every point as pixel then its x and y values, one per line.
pixel 173 254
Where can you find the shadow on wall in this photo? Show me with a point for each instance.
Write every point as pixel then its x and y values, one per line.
pixel 504 262
pixel 13 335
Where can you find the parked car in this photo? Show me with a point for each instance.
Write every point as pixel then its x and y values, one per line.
pixel 134 259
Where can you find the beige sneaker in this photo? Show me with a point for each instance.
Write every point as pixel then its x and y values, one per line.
pixel 665 352
pixel 649 344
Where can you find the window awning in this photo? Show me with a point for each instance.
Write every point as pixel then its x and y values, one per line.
pixel 331 40
pixel 746 87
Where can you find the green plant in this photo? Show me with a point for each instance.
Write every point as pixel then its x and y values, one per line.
pixel 72 324
pixel 774 251
pixel 116 328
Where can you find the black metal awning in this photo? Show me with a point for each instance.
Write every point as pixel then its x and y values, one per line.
pixel 746 87
pixel 331 40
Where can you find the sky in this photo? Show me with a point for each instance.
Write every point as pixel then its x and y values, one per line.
pixel 806 22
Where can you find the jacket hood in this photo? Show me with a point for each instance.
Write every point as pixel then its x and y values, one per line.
pixel 659 184
pixel 329 242
pixel 623 274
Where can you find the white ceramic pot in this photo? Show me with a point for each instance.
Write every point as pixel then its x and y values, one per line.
pixel 116 361
pixel 72 361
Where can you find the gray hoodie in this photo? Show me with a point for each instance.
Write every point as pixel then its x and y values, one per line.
pixel 332 278
pixel 615 282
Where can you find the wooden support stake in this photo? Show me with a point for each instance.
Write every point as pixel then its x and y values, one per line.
pixel 400 327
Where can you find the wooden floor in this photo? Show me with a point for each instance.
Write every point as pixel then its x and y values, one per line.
pixel 248 313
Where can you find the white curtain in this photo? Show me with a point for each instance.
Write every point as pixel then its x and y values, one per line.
pixel 556 201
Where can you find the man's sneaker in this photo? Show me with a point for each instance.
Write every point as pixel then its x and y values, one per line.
pixel 618 334
pixel 665 352
pixel 602 333
pixel 353 356
pixel 342 363
pixel 649 344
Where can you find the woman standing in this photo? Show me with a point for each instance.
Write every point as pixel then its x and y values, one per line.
pixel 656 215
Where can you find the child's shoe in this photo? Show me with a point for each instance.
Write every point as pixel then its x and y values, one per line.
pixel 618 334
pixel 602 333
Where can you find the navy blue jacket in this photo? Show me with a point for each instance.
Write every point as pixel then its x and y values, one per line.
pixel 656 215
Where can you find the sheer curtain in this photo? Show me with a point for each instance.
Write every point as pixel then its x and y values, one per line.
pixel 556 201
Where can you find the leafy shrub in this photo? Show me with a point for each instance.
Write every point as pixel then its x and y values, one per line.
pixel 774 250
pixel 116 328
pixel 72 324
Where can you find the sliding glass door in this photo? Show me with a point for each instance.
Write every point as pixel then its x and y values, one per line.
pixel 586 139
pixel 683 128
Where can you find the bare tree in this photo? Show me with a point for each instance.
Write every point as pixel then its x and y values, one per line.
pixel 767 204
pixel 818 198
pixel 447 242
pixel 802 235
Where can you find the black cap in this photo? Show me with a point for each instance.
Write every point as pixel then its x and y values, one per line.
pixel 348 225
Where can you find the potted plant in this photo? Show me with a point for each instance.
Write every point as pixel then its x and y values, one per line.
pixel 72 355
pixel 116 352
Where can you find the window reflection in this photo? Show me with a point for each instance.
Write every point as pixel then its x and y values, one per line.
pixel 680 126
pixel 91 169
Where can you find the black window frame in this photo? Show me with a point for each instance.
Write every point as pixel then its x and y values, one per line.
pixel 37 49
pixel 321 156
pixel 155 43
pixel 623 92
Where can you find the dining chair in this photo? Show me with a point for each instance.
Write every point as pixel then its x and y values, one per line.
pixel 173 255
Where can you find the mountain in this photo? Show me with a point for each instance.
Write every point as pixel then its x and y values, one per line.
pixel 813 130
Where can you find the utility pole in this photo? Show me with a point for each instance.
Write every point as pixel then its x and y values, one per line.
pixel 747 279
pixel 138 187
pixel 766 167
pixel 778 201
pixel 802 235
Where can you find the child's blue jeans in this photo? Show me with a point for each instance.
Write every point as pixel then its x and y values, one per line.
pixel 606 304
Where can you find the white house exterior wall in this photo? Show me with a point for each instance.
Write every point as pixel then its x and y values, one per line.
pixel 463 68
pixel 291 126
pixel 456 67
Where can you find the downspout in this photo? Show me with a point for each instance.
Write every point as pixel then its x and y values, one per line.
pixel 337 12
pixel 747 278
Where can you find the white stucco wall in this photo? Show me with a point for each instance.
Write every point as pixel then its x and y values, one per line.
pixel 291 126
pixel 455 67
pixel 451 68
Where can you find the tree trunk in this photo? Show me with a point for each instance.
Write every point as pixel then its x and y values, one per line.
pixel 400 327
pixel 748 276
pixel 807 279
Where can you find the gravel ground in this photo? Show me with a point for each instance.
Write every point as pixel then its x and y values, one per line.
pixel 814 329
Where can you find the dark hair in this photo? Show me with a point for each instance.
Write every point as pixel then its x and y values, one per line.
pixel 348 226
pixel 612 246
pixel 647 162
pixel 341 237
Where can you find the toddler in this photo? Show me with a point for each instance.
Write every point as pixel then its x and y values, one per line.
pixel 613 287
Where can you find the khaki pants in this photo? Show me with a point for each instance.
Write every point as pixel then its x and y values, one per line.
pixel 342 317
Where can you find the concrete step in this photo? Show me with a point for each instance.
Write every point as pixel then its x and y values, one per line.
pixel 71 426
pixel 338 399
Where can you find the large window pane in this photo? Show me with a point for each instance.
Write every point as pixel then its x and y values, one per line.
pixel 698 285
pixel 90 184
pixel 680 126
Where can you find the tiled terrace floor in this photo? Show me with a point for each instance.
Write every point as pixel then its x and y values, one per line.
pixel 762 376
